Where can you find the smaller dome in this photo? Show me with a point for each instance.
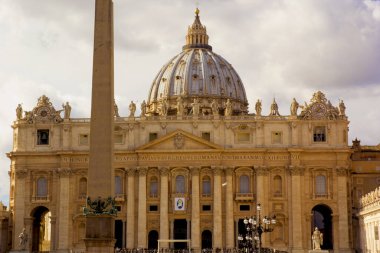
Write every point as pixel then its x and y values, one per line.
pixel 197 74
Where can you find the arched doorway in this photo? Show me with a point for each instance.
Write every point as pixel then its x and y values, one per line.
pixel 153 239
pixel 41 230
pixel 323 220
pixel 206 239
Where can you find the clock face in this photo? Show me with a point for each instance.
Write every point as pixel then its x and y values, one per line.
pixel 318 110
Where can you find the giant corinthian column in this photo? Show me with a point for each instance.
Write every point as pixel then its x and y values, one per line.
pixel 100 187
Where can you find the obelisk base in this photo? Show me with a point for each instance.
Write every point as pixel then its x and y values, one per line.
pixel 100 234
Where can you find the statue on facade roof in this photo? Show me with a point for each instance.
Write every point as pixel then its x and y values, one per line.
pixel 180 107
pixel 164 107
pixel 274 109
pixel 196 107
pixel 258 107
pixel 132 109
pixel 143 108
pixel 294 107
pixel 19 112
pixel 67 110
pixel 342 108
pixel 228 110
pixel 214 107
pixel 115 109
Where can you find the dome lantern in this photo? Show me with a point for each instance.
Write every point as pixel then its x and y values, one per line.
pixel 197 35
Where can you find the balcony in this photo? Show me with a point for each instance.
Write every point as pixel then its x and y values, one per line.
pixel 245 196
pixel 321 196
pixel 120 197
pixel 40 199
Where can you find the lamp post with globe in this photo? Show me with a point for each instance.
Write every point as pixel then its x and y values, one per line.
pixel 255 226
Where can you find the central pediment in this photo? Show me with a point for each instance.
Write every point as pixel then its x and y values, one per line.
pixel 179 140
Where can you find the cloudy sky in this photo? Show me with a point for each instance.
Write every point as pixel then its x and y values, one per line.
pixel 280 48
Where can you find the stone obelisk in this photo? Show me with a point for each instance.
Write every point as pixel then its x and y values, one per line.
pixel 100 186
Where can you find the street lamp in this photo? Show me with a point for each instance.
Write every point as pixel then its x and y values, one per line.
pixel 255 227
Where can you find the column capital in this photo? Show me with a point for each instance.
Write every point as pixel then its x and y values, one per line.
pixel 142 171
pixel 217 170
pixel 296 170
pixel 261 170
pixel 341 171
pixel 229 170
pixel 21 173
pixel 63 172
pixel 130 171
pixel 164 171
pixel 194 170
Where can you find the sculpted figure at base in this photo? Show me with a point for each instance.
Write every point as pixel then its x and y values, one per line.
pixel 294 107
pixel 258 107
pixel 132 109
pixel 67 109
pixel 19 112
pixel 317 238
pixel 23 239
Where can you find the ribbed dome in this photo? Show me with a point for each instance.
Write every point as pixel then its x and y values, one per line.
pixel 196 73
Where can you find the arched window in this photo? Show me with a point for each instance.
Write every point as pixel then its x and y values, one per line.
pixel 180 184
pixel 206 186
pixel 244 184
pixel 118 185
pixel 82 187
pixel 42 187
pixel 277 186
pixel 320 185
pixel 153 187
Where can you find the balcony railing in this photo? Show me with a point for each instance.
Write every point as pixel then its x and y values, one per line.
pixel 321 196
pixel 245 196
pixel 120 197
pixel 40 199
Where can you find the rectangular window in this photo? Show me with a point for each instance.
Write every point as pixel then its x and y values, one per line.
pixel 206 208
pixel 243 137
pixel 319 134
pixel 83 139
pixel 206 136
pixel 153 208
pixel 245 207
pixel 118 208
pixel 118 138
pixel 43 137
pixel 153 136
pixel 276 137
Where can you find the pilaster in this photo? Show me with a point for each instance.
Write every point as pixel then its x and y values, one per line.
pixel 195 209
pixel 64 220
pixel 230 243
pixel 164 206
pixel 141 235
pixel 131 208
pixel 343 209
pixel 218 233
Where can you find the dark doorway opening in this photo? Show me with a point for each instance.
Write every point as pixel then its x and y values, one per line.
pixel 241 231
pixel 206 239
pixel 119 234
pixel 180 232
pixel 41 229
pixel 153 239
pixel 323 220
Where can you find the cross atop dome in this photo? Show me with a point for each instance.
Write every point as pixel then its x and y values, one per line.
pixel 197 35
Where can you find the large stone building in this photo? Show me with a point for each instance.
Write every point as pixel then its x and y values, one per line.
pixel 192 165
